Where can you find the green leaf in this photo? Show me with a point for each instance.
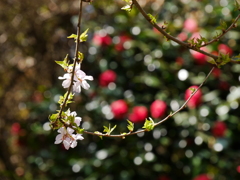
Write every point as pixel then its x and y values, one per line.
pixel 74 36
pixel 64 63
pixel 223 25
pixel 62 98
pixel 97 132
pixel 212 61
pixel 149 124
pixel 130 126
pixel 83 36
pixel 108 129
pixel 80 56
pixel 127 8
pixel 222 59
pixel 237 5
pixel 53 117
pixel 152 18
pixel 192 90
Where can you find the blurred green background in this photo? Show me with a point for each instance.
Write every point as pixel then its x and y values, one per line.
pixel 33 34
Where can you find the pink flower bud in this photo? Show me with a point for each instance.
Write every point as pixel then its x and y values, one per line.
pixel 158 108
pixel 107 77
pixel 196 100
pixel 119 108
pixel 219 129
pixel 139 114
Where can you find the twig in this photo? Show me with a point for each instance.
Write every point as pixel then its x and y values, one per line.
pixel 168 36
pixel 156 124
pixel 75 60
pixel 233 25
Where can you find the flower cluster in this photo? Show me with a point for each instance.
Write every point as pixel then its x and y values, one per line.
pixel 66 135
pixel 69 122
pixel 79 79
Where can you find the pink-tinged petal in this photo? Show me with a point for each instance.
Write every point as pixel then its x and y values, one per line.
pixel 66 144
pixel 58 139
pixel 66 83
pixel 65 76
pixel 73 113
pixel 80 74
pixel 90 78
pixel 73 144
pixel 76 87
pixel 85 85
pixel 70 130
pixel 62 130
pixel 78 120
pixel 78 137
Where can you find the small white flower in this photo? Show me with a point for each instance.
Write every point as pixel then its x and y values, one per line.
pixel 79 79
pixel 66 83
pixel 67 137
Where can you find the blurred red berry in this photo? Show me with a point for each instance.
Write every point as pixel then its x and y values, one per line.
pixel 190 25
pixel 15 128
pixel 100 40
pixel 202 177
pixel 158 108
pixel 199 58
pixel 107 77
pixel 119 109
pixel 163 178
pixel 216 72
pixel 196 100
pixel 122 39
pixel 139 114
pixel 179 61
pixel 225 49
pixel 219 129
pixel 182 36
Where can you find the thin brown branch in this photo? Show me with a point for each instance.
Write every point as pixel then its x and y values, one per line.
pixel 233 25
pixel 75 60
pixel 156 124
pixel 168 36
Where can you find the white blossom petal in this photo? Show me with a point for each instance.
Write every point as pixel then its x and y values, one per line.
pixel 66 144
pixel 85 85
pixel 90 78
pixel 78 120
pixel 70 130
pixel 59 138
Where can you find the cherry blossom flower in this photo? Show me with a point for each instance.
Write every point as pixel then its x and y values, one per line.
pixel 79 79
pixel 67 137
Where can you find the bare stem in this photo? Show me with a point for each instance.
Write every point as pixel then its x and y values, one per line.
pixel 161 121
pixel 233 25
pixel 187 45
pixel 75 59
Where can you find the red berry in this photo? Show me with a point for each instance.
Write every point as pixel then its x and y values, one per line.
pixel 196 100
pixel 139 114
pixel 158 108
pixel 102 40
pixel 15 128
pixel 219 129
pixel 202 177
pixel 119 108
pixel 120 45
pixel 107 77
pixel 225 49
pixel 190 25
